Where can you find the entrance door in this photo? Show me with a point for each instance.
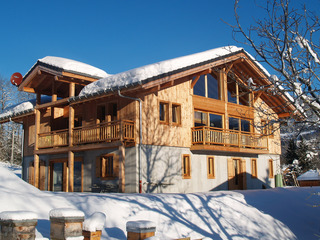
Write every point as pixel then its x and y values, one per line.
pixel 237 174
pixel 58 175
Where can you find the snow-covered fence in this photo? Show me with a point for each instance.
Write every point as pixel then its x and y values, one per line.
pixel 140 230
pixel 66 223
pixel 18 225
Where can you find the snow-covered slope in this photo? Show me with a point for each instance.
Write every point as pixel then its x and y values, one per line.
pixel 281 213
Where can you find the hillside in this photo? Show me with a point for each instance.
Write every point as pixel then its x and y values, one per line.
pixel 281 213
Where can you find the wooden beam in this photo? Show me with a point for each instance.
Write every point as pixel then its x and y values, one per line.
pixel 57 103
pixel 194 81
pixel 122 178
pixel 29 90
pixel 72 90
pixel 284 115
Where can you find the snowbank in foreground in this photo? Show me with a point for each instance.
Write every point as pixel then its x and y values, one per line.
pixel 282 213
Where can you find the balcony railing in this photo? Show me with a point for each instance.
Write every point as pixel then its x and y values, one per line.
pixel 104 132
pixel 230 138
pixel 53 139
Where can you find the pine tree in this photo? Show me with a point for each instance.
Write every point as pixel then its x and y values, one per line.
pixel 304 156
pixel 291 153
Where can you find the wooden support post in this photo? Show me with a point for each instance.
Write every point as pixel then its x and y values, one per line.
pixel 38 101
pixel 36 144
pixel 122 178
pixel 70 153
pixel 71 90
pixel 71 171
pixel 54 92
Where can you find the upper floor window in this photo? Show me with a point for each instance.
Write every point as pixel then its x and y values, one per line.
pixel 208 119
pixel 207 86
pixel 238 93
pixel 238 124
pixel 176 114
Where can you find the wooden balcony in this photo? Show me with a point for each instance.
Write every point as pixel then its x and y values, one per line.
pixel 98 133
pixel 208 138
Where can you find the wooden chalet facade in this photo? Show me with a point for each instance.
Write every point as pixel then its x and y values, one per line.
pixel 185 129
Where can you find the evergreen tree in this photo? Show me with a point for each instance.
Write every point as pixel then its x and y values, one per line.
pixel 291 153
pixel 304 157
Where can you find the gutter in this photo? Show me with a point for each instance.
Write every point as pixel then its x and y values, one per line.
pixel 140 133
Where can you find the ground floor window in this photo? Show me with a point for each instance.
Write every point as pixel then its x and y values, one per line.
pixel 254 172
pixel 186 166
pixel 211 167
pixel 107 166
pixel 271 168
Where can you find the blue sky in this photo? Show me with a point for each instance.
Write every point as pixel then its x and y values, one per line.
pixel 113 35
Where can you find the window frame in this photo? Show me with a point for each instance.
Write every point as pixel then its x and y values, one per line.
pixel 186 166
pixel 271 173
pixel 211 167
pixel 102 165
pixel 254 168
pixel 165 110
pixel 178 114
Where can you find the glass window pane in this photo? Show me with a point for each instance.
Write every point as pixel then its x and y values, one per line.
pixel 200 119
pixel 232 93
pixel 245 125
pixel 215 120
pixel 200 89
pixel 244 96
pixel 77 176
pixel 233 123
pixel 213 89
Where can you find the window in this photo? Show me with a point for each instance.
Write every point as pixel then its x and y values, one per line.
pixel 164 112
pixel 176 114
pixel 206 86
pixel 200 119
pixel 186 166
pixel 238 93
pixel 254 173
pixel 267 128
pixel 239 124
pixel 270 168
pixel 215 120
pixel 107 166
pixel 211 167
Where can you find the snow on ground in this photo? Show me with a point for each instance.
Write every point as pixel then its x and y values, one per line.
pixel 281 213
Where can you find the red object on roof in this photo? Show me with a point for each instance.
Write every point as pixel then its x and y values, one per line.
pixel 16 79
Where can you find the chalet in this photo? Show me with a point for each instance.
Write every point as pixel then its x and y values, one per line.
pixel 202 122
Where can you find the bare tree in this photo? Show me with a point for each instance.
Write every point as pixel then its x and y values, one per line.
pixel 287 39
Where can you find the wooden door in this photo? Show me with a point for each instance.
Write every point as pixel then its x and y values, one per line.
pixel 237 174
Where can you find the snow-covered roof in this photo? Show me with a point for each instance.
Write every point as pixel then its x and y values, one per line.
pixel 22 108
pixel 71 66
pixel 310 175
pixel 153 71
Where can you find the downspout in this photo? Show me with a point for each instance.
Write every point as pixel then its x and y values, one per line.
pixel 140 134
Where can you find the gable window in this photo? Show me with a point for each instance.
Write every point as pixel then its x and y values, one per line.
pixel 267 128
pixel 238 93
pixel 206 86
pixel 270 168
pixel 107 166
pixel 211 173
pixel 254 173
pixel 186 166
pixel 164 112
pixel 176 114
